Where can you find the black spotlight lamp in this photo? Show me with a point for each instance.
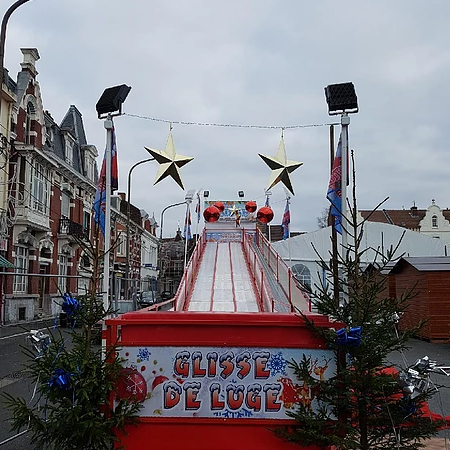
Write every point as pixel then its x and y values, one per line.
pixel 341 98
pixel 111 101
pixel 206 194
pixel 241 194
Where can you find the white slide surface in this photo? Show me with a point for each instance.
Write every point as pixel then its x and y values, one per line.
pixel 230 287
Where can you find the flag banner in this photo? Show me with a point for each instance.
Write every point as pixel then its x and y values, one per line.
pixel 197 210
pixel 114 165
pixel 187 234
pixel 286 221
pixel 334 193
pixel 99 206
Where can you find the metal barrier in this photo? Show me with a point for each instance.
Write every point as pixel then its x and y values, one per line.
pixel 190 274
pixel 257 273
pixel 297 295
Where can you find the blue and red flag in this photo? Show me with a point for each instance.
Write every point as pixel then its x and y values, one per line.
pixel 187 234
pixel 99 206
pixel 197 209
pixel 334 193
pixel 286 221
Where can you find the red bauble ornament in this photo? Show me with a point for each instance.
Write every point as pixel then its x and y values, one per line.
pixel 265 214
pixel 131 384
pixel 220 206
pixel 250 206
pixel 211 214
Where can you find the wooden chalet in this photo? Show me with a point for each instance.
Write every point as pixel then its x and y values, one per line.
pixel 429 277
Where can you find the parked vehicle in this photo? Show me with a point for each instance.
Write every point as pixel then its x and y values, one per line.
pixel 166 295
pixel 147 298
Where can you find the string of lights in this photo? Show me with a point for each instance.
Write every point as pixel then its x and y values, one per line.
pixel 228 125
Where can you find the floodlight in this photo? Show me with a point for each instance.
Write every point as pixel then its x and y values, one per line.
pixel 111 100
pixel 241 194
pixel 189 195
pixel 341 98
pixel 206 194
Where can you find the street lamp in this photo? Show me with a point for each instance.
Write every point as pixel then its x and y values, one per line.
pixel 161 235
pixel 6 17
pixel 109 105
pixel 127 269
pixel 162 216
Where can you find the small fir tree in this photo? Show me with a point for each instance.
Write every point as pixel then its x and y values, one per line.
pixel 75 379
pixel 366 405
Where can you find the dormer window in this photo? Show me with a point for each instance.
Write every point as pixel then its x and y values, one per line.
pixel 69 152
pixel 49 136
pixel 434 222
pixel 90 168
pixel 31 116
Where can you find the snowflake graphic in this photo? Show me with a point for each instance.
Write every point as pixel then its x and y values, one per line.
pixel 277 364
pixel 143 354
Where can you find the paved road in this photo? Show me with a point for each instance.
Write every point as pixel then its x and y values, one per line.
pixel 13 380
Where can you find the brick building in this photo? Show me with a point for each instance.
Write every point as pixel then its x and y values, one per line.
pixel 52 181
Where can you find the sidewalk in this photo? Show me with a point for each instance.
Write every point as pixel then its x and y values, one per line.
pixel 22 327
pixel 438 444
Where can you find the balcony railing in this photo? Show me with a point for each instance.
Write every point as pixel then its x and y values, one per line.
pixel 69 227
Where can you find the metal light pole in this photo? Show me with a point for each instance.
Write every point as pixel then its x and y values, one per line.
pixel 127 268
pixel 341 99
pixel 345 122
pixel 162 216
pixel 161 236
pixel 106 265
pixel 6 17
pixel 109 105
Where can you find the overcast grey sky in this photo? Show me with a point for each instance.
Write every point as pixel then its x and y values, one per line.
pixel 255 62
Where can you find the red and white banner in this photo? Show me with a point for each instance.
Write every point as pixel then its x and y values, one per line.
pixel 229 382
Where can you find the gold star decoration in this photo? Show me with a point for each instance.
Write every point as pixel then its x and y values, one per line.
pixel 233 210
pixel 281 167
pixel 169 162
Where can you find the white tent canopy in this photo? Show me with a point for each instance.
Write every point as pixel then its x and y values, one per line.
pixel 303 252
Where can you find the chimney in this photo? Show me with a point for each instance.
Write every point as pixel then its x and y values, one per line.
pixel 30 56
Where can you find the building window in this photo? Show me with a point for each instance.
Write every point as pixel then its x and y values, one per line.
pixel 22 312
pixel 65 205
pixel 86 223
pixel 21 263
pixel 69 152
pixel 31 112
pixel 39 188
pixel 302 274
pixel 121 243
pixel 62 272
pixel 85 262
pixel 90 169
pixel 434 222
